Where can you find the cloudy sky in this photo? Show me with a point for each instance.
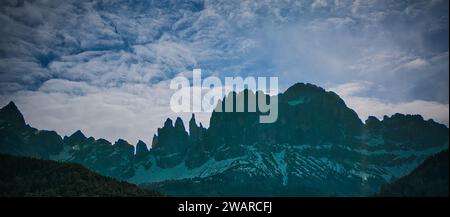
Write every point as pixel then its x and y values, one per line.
pixel 105 66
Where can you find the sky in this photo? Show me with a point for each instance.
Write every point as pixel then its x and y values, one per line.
pixel 104 67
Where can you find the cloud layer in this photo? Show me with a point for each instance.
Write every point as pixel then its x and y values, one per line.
pixel 104 66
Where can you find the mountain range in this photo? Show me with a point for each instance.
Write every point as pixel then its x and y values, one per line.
pixel 317 147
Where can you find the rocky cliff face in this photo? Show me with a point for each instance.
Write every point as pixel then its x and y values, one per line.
pixel 171 144
pixel 318 146
pixel 18 138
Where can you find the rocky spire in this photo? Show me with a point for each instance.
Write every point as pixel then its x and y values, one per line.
pixel 124 146
pixel 76 138
pixel 179 125
pixel 155 141
pixel 171 141
pixel 141 149
pixel 168 123
pixel 11 113
pixel 193 128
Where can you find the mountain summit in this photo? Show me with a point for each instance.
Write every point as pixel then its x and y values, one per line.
pixel 12 114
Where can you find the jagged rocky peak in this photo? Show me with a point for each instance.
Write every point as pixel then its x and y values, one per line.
pixel 103 142
pixel 197 152
pixel 76 138
pixel 400 128
pixel 141 149
pixel 168 123
pixel 78 134
pixel 155 141
pixel 411 121
pixel 11 114
pixel 162 132
pixel 194 129
pixel 192 121
pixel 124 146
pixel 398 118
pixel 179 124
pixel 402 117
pixel 90 139
pixel 169 130
pixel 373 122
pixel 171 143
pixel 122 143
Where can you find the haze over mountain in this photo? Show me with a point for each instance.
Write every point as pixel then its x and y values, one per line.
pixel 317 147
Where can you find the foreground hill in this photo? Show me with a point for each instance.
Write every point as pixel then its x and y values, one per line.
pixel 430 179
pixel 24 176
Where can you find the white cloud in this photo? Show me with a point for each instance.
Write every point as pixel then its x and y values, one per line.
pixel 349 89
pixel 67 87
pixel 371 106
pixel 317 4
pixel 415 64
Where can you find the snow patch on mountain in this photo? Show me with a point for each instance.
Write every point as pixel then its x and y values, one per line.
pixel 180 171
pixel 282 166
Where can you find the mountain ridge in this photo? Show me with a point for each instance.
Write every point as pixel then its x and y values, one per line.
pixel 317 143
